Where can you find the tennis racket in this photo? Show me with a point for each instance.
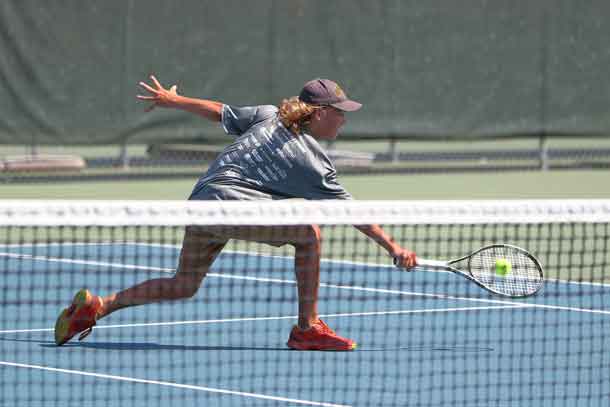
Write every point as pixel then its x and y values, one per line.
pixel 501 269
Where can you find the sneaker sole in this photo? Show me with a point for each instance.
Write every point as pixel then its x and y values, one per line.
pixel 300 346
pixel 62 325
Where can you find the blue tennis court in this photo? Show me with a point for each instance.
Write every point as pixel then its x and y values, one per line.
pixel 425 338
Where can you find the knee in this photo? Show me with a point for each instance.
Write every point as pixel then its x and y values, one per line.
pixel 311 237
pixel 187 285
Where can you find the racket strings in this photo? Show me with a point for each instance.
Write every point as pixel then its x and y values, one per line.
pixel 522 277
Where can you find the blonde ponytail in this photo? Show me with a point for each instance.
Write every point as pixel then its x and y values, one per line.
pixel 295 114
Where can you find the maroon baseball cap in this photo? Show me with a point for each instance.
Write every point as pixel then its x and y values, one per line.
pixel 324 92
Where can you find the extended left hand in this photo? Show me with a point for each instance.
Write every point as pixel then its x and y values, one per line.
pixel 158 94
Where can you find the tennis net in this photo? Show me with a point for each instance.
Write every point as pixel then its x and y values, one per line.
pixel 425 338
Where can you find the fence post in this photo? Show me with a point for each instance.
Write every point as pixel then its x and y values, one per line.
pixel 543 150
pixel 394 154
pixel 124 156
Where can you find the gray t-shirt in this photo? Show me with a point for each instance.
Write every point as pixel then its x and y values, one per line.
pixel 267 161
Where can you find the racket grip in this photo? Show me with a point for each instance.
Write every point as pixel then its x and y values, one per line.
pixel 395 261
pixel 432 263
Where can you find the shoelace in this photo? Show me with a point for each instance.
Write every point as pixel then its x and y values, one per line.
pixel 325 328
pixel 85 333
pixel 88 331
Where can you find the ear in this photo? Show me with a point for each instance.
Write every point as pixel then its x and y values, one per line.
pixel 319 114
pixel 315 115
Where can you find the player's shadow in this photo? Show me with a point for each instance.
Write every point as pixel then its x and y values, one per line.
pixel 139 346
pixel 160 347
pixel 147 346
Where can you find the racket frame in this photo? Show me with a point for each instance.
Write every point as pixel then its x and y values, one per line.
pixel 447 265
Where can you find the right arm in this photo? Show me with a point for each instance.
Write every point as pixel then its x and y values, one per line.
pixel 159 96
pixel 403 257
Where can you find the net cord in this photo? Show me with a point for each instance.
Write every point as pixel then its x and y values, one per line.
pixel 299 212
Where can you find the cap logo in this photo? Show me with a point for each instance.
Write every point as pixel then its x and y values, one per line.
pixel 339 92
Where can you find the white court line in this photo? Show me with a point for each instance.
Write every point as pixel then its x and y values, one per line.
pixel 292 317
pixel 280 281
pixel 335 261
pixel 85 262
pixel 170 384
pixel 52 244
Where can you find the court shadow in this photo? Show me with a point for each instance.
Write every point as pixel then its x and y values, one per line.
pixel 431 348
pixel 135 346
pixel 147 346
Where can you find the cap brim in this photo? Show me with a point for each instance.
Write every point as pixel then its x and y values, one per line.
pixel 347 105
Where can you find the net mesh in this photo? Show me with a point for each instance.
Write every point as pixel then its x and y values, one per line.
pixel 426 338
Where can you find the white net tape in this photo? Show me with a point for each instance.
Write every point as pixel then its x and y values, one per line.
pixel 292 212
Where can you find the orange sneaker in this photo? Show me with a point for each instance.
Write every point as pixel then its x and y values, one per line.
pixel 81 316
pixel 318 337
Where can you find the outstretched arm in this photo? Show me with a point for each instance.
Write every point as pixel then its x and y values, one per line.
pixel 404 258
pixel 159 96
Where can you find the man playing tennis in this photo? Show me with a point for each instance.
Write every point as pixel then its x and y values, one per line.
pixel 276 156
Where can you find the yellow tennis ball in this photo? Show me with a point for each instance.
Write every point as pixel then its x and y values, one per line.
pixel 503 267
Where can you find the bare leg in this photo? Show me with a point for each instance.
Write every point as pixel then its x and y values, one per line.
pixel 306 240
pixel 196 257
pixel 198 254
pixel 307 270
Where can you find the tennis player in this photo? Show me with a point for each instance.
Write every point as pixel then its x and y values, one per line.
pixel 276 155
